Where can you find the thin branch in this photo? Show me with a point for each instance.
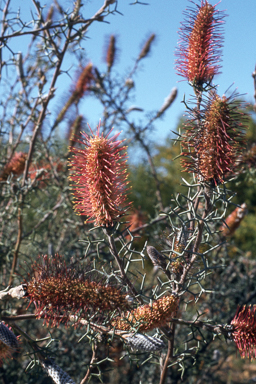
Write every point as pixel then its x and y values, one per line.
pixel 119 262
pixel 93 359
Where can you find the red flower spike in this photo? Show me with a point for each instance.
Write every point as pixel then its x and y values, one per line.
pixel 244 334
pixel 99 176
pixel 200 44
pixel 211 148
pixel 59 290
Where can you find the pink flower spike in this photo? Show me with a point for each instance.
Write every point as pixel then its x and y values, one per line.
pixel 244 334
pixel 99 178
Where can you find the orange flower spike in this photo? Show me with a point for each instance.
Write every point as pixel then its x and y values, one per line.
pixel 147 317
pixel 244 334
pixel 59 290
pixel 84 81
pixel 15 166
pixel 233 220
pixel 99 176
pixel 111 52
pixel 200 44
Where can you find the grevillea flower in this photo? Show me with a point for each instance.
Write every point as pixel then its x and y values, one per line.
pixel 214 141
pixel 81 87
pixel 59 291
pixel 147 317
pixel 8 342
pixel 200 43
pixel 233 220
pixel 146 48
pixel 15 166
pixel 99 176
pixel 83 82
pixel 244 334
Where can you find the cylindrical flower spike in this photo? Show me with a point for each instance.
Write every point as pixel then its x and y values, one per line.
pixel 233 220
pixel 111 52
pixel 144 343
pixel 146 48
pixel 200 44
pixel 15 166
pixel 55 372
pixel 244 334
pixel 99 176
pixel 212 146
pixel 147 317
pixel 8 342
pixel 83 81
pixel 59 290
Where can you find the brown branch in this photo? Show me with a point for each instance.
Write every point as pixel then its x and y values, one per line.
pixel 169 354
pixel 119 262
pixel 93 359
pixel 30 153
pixel 4 27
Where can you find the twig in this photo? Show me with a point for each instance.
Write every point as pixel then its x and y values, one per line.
pixel 119 262
pixel 90 365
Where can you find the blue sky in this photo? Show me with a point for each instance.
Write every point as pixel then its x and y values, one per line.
pixel 156 76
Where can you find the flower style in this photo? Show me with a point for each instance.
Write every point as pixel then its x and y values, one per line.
pixel 99 174
pixel 200 44
pixel 244 333
pixel 8 342
pixel 212 145
pixel 147 317
pixel 60 291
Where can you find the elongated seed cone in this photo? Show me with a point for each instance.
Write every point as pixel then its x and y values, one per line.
pixel 56 373
pixel 144 343
pixel 156 257
pixel 7 336
pixel 8 342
